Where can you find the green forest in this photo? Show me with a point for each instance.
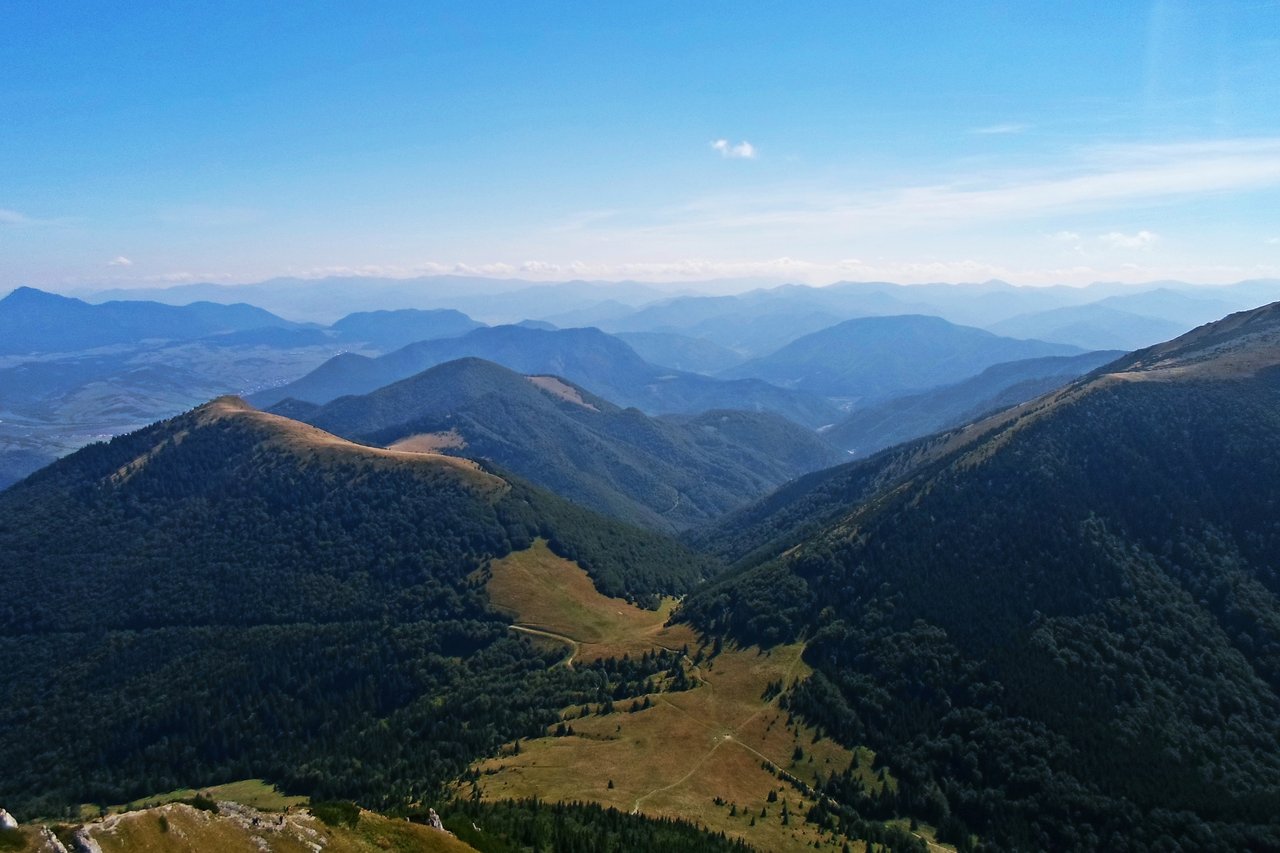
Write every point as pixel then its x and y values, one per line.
pixel 239 607
pixel 1043 660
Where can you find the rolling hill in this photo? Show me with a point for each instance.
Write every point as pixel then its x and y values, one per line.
pixel 588 357
pixel 666 474
pixel 880 357
pixel 1058 626
pixel 231 594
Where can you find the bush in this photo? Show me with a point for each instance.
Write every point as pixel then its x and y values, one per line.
pixel 337 813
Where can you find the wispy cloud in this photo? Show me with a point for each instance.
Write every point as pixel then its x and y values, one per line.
pixel 1090 180
pixel 12 217
pixel 999 129
pixel 1141 240
pixel 1065 237
pixel 119 261
pixel 744 150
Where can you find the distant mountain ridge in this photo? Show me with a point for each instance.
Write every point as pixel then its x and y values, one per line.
pixel 872 428
pixel 588 357
pixel 662 473
pixel 879 357
pixel 34 321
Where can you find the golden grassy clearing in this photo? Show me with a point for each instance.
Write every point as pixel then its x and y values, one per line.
pixel 430 442
pixel 556 597
pixel 559 388
pixel 721 740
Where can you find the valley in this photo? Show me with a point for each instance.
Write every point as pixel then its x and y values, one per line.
pixel 717 750
pixel 465 595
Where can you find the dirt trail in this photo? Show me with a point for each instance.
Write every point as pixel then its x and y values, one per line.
pixel 574 645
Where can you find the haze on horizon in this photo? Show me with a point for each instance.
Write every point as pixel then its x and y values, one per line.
pixel 147 145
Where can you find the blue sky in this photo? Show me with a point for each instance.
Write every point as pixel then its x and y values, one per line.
pixel 1036 142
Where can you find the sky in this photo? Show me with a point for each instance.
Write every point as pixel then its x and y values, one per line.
pixel 153 143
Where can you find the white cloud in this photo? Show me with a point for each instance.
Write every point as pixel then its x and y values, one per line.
pixel 744 150
pixel 12 217
pixel 120 261
pixel 1065 237
pixel 1273 241
pixel 1000 129
pixel 1141 240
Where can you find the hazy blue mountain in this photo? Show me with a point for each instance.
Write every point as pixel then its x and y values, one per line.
pixel 879 357
pixel 1058 627
pixel 872 428
pixel 1093 326
pixel 494 300
pixel 696 355
pixel 1187 309
pixel 33 321
pixel 760 321
pixel 389 330
pixel 588 357
pixel 667 473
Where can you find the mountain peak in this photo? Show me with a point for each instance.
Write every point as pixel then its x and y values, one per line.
pixel 33 296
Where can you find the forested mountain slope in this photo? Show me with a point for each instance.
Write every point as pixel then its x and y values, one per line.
pixel 1059 627
pixel 231 594
pixel 666 474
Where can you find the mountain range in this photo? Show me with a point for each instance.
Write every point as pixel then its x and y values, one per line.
pixel 663 473
pixel 878 357
pixel 879 425
pixel 588 357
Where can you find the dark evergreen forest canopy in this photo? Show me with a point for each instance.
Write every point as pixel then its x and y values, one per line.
pixel 1059 627
pixel 231 594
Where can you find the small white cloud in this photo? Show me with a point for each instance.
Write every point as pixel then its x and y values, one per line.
pixel 744 150
pixel 120 261
pixel 1065 237
pixel 12 217
pixel 1119 240
pixel 1274 241
pixel 999 129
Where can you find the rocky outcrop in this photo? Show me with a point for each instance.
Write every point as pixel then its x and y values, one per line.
pixel 83 842
pixel 49 842
pixel 7 821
